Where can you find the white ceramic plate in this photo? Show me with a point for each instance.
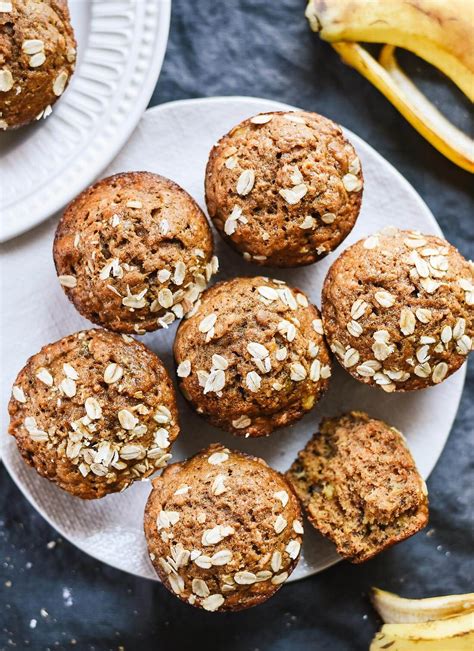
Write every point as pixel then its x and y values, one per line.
pixel 121 45
pixel 174 140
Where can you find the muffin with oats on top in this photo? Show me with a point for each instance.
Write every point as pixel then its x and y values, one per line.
pixel 133 252
pixel 284 188
pixel 94 412
pixel 224 529
pixel 252 357
pixel 37 58
pixel 398 309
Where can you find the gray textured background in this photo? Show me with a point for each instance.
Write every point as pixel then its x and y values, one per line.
pixel 261 48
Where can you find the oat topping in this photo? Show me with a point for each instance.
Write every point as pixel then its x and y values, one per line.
pixel 68 281
pixel 371 242
pixel 59 83
pixel 385 299
pixel 298 527
pixel 261 119
pixel 293 117
pixel 18 394
pixel 294 195
pixel 280 524
pixel 215 381
pixel 68 387
pixel 253 381
pixel 207 324
pixel 282 496
pixel 217 458
pixel 213 602
pixel 293 549
pixel 246 182
pixel 37 60
pixel 218 485
pixel 113 373
pixel 6 80
pixel 184 369
pixel 232 220
pixel 351 183
pixel 242 422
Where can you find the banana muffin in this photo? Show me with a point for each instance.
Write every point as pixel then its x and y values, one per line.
pixel 134 252
pixel 284 188
pixel 223 529
pixel 398 309
pixel 37 58
pixel 359 485
pixel 93 412
pixel 252 357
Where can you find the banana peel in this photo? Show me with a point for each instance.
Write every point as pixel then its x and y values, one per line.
pixel 451 634
pixel 395 610
pixel 440 32
pixel 443 623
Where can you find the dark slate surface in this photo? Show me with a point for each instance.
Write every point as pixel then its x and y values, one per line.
pixel 261 48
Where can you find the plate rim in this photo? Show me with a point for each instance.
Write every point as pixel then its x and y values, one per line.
pixel 12 229
pixel 278 106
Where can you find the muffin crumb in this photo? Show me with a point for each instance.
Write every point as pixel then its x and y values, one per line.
pixel 359 485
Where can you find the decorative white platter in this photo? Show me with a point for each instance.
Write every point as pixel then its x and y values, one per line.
pixel 121 45
pixel 174 139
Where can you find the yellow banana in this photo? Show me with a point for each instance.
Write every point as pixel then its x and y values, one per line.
pixel 451 634
pixel 394 609
pixel 436 30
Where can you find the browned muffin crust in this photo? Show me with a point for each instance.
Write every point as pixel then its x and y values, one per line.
pixel 223 529
pixel 134 252
pixel 398 309
pixel 360 486
pixel 93 412
pixel 252 358
pixel 37 59
pixel 284 188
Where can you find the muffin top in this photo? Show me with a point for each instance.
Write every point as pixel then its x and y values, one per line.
pixel 252 357
pixel 134 252
pixel 223 529
pixel 397 309
pixel 37 58
pixel 360 486
pixel 93 412
pixel 284 189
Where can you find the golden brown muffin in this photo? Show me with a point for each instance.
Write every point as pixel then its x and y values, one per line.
pixel 93 412
pixel 252 357
pixel 397 309
pixel 360 486
pixel 37 58
pixel 134 252
pixel 284 188
pixel 223 529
